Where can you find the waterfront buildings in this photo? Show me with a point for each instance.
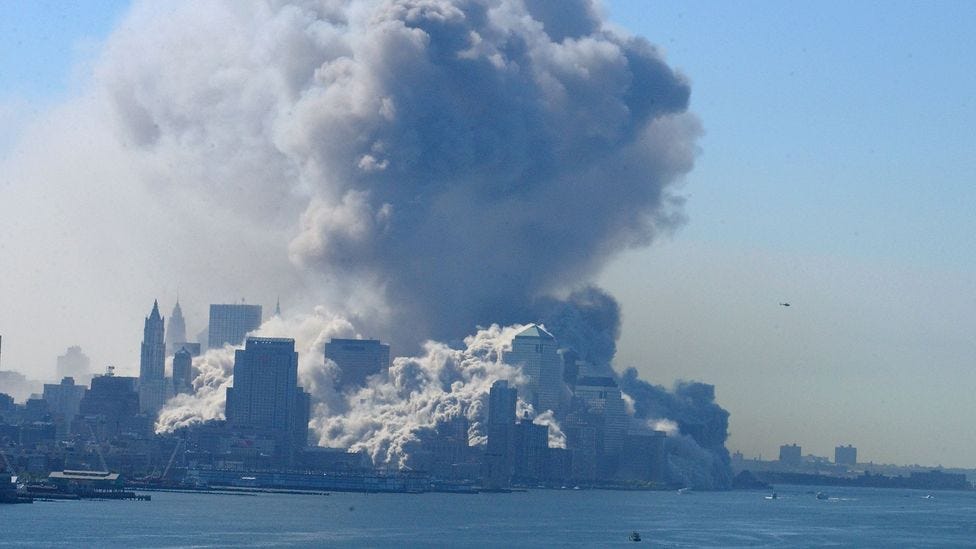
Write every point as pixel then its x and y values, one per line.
pixel 357 359
pixel 500 452
pixel 110 407
pixel 231 323
pixel 789 454
pixel 63 401
pixel 845 455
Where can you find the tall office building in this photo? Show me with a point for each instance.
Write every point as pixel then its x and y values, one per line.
pixel 500 453
pixel 63 400
pixel 231 323
pixel 357 359
pixel 74 364
pixel 266 397
pixel 153 389
pixel 182 367
pixel 845 455
pixel 603 400
pixel 110 406
pixel 175 330
pixel 531 449
pixel 534 351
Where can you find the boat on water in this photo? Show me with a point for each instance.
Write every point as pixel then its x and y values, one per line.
pixel 635 536
pixel 821 495
pixel 772 496
pixel 684 490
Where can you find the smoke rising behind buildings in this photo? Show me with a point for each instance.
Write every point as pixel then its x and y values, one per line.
pixel 420 168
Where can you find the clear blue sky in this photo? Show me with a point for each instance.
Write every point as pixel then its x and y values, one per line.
pixel 837 172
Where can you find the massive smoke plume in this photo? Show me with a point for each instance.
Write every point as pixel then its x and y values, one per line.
pixel 448 163
pixel 420 167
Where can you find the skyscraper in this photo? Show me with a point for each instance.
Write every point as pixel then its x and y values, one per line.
pixel 153 389
pixel 357 359
pixel 231 323
pixel 266 397
pixel 182 377
pixel 74 364
pixel 534 351
pixel 176 330
pixel 110 406
pixel 500 453
pixel 63 400
pixel 603 401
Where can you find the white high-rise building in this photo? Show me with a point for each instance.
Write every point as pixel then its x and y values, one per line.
pixel 534 351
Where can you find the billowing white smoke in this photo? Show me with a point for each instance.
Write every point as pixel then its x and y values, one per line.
pixel 442 163
pixel 422 167
pixel 385 417
pixel 215 369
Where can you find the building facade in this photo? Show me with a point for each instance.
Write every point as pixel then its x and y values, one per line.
pixel 534 350
pixel 500 451
pixel 231 323
pixel 357 359
pixel 153 388
pixel 182 371
pixel 845 455
pixel 266 398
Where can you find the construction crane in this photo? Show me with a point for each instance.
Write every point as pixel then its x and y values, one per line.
pixel 179 443
pixel 98 448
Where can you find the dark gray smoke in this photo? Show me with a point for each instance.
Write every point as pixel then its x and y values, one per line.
pixel 697 454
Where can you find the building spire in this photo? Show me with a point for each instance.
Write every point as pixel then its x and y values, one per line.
pixel 278 307
pixel 155 310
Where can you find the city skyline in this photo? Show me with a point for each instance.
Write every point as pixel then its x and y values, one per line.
pixel 827 177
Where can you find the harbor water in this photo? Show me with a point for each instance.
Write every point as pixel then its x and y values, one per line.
pixel 858 517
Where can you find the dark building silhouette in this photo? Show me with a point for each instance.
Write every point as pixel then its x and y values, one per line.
pixel 182 371
pixel 603 400
pixel 531 450
pixel 231 323
pixel 644 457
pixel 64 400
pixel 266 397
pixel 153 389
pixel 357 359
pixel 571 367
pixel 790 454
pixel 845 455
pixel 109 408
pixel 500 452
